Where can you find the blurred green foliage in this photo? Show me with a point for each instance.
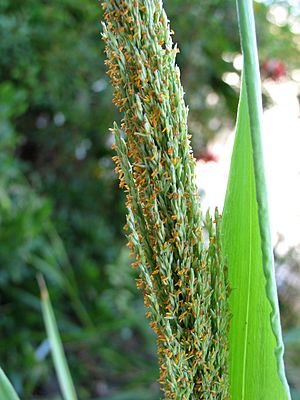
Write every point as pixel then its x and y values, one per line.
pixel 61 212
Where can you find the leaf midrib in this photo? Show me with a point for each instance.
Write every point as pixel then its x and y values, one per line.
pixel 248 300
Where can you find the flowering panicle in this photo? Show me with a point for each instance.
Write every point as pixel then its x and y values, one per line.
pixel 182 277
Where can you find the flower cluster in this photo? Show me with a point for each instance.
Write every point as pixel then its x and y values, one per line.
pixel 182 272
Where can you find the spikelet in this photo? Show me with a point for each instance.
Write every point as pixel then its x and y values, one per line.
pixel 182 277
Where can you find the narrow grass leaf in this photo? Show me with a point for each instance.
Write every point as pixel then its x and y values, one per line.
pixel 7 392
pixel 253 366
pixel 58 355
pixel 252 87
pixel 256 349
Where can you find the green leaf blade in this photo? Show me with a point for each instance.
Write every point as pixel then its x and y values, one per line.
pixel 253 88
pixel 252 361
pixel 7 392
pixel 58 355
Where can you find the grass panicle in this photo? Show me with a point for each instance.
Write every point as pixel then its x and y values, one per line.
pixel 183 278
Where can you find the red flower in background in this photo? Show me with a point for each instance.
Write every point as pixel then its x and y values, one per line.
pixel 206 156
pixel 274 69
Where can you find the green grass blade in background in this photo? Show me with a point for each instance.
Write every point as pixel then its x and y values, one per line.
pixel 7 392
pixel 58 355
pixel 253 368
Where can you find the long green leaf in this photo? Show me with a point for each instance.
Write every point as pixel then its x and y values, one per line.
pixel 253 368
pixel 7 392
pixel 253 88
pixel 256 349
pixel 58 355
